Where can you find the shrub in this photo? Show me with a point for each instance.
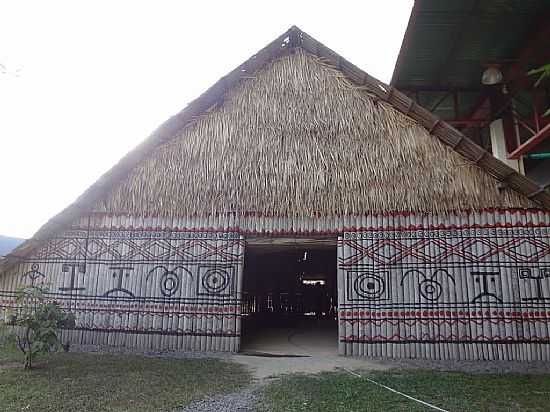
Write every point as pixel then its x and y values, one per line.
pixel 36 322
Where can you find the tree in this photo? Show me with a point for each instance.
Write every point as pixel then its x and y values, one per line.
pixel 36 322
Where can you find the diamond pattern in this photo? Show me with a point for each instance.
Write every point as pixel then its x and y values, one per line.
pixel 528 250
pixel 440 250
pixel 148 249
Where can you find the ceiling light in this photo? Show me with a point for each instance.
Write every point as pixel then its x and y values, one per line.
pixel 491 76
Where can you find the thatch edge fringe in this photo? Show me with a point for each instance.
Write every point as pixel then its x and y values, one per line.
pixel 292 38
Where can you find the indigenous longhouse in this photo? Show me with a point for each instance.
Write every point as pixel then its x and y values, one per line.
pixel 300 185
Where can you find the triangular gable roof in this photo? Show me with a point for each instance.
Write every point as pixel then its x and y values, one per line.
pixel 293 38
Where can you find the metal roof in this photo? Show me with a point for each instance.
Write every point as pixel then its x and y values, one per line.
pixel 448 45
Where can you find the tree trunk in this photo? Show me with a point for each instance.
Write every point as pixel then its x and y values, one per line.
pixel 28 356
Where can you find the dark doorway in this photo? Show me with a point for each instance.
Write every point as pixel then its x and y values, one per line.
pixel 290 299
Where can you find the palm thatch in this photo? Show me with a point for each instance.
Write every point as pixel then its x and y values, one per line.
pixel 297 138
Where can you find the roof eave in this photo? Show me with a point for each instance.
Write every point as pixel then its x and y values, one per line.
pixel 405 43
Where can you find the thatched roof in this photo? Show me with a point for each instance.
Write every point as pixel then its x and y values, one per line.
pixel 297 129
pixel 297 138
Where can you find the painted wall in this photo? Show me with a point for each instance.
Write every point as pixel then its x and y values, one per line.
pixel 473 286
pixel 464 286
pixel 137 283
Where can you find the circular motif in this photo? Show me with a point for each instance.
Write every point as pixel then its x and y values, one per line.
pixel 169 283
pixel 215 280
pixel 430 289
pixel 370 286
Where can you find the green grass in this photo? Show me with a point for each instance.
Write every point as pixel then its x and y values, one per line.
pixel 99 382
pixel 337 391
pixel 8 353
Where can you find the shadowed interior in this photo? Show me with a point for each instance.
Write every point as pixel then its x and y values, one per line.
pixel 290 299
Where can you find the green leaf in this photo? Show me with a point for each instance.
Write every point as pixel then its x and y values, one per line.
pixel 544 72
pixel 541 69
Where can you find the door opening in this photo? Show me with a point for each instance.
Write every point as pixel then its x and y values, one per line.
pixel 290 299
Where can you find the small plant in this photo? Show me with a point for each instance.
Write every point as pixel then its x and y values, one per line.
pixel 36 322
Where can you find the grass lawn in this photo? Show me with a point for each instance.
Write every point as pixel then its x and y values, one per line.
pixel 337 391
pixel 98 382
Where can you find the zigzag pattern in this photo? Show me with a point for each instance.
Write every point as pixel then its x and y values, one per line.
pixel 106 249
pixel 441 250
pixel 62 249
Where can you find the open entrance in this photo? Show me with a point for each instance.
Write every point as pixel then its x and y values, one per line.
pixel 290 297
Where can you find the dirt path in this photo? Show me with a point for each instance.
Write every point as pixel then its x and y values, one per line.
pixel 264 367
pixel 244 400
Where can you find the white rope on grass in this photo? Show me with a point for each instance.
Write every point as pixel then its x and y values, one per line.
pixel 429 405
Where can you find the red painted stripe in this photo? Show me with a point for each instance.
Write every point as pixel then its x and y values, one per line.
pixel 497 225
pixel 520 211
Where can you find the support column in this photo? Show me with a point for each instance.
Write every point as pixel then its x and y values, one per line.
pixel 498 144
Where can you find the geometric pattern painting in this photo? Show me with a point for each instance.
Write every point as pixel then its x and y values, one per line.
pixel 442 292
pixel 159 288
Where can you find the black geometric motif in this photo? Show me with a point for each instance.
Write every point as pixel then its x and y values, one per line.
pixel 169 284
pixel 33 274
pixel 430 287
pixel 72 269
pixel 483 279
pixel 527 274
pixel 216 280
pixel 368 285
pixel 170 280
pixel 119 273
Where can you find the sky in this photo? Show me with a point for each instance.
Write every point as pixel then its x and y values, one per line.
pixel 82 83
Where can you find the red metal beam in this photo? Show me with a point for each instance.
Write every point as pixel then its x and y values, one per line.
pixel 465 122
pixel 532 45
pixel 442 88
pixel 532 142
